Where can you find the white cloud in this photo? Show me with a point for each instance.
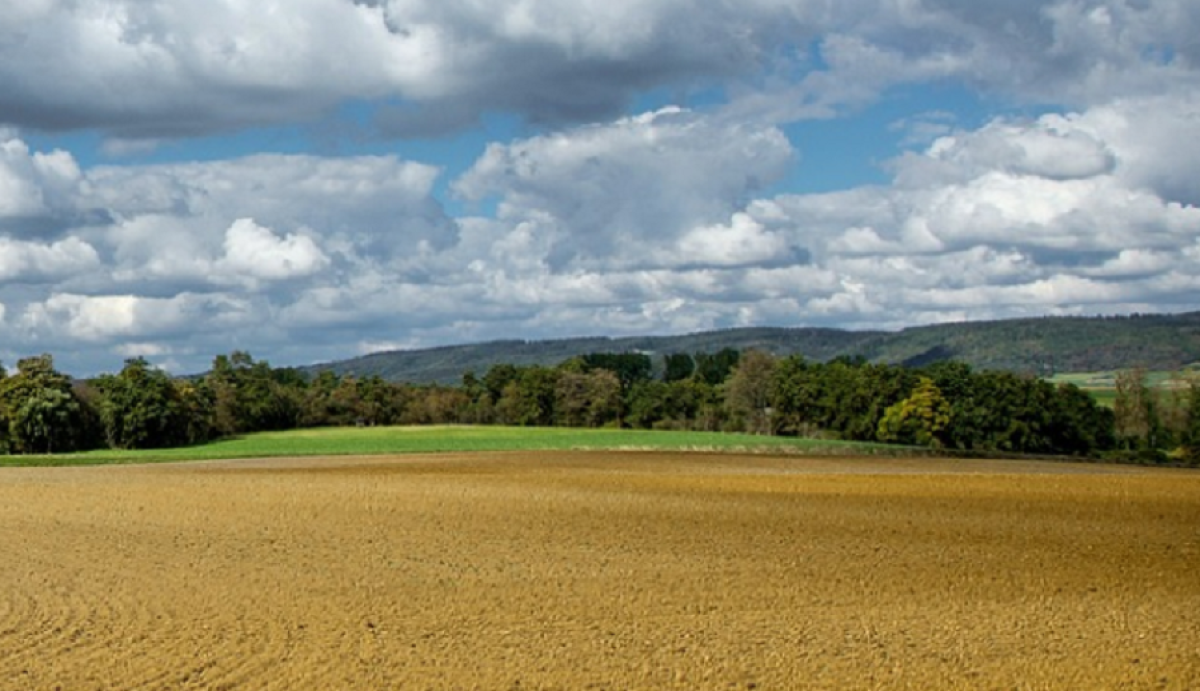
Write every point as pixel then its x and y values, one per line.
pixel 1054 147
pixel 106 318
pixel 148 69
pixel 599 195
pixel 33 184
pixel 189 258
pixel 255 252
pixel 1057 214
pixel 152 70
pixel 34 262
pixel 744 241
pixel 667 220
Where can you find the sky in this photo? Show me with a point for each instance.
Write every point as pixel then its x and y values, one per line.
pixel 312 180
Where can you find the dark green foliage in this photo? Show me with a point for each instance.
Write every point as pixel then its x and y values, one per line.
pixel 1079 423
pixel 250 396
pixel 41 411
pixel 629 367
pixel 498 378
pixel 1190 434
pixel 714 369
pixel 846 397
pixel 685 404
pixel 143 408
pixel 529 399
pixel 1007 412
pixel 944 405
pixel 678 366
pixel 587 400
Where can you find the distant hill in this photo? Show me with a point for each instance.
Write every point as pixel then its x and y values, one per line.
pixel 1043 345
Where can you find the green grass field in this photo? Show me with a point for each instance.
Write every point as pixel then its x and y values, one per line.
pixel 343 441
pixel 1103 385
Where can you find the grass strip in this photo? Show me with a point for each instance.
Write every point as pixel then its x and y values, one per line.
pixel 344 441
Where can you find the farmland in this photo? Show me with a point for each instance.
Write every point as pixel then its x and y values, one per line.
pixel 599 569
pixel 1103 385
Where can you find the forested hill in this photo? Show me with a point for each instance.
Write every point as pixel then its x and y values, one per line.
pixel 1040 345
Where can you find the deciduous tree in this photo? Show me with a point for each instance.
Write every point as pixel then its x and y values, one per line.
pixel 748 391
pixel 40 410
pixel 919 419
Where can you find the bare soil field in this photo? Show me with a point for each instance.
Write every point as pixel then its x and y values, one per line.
pixel 600 571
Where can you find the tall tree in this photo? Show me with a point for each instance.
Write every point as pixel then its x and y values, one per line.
pixel 715 368
pixel 41 411
pixel 1181 415
pixel 1136 410
pixel 141 408
pixel 629 367
pixel 678 366
pixel 587 400
pixel 1191 432
pixel 250 396
pixel 529 399
pixel 919 419
pixel 748 391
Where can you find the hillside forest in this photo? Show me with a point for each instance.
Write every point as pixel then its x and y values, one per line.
pixel 944 405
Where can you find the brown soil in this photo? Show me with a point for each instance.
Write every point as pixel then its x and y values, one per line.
pixel 600 571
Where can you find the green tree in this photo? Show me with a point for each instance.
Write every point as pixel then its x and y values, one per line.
pixel 197 404
pixel 684 404
pixel 497 378
pixel 529 399
pixel 919 419
pixel 587 400
pixel 250 396
pixel 678 367
pixel 141 408
pixel 748 391
pixel 1136 410
pixel 1185 416
pixel 794 396
pixel 41 411
pixel 715 368
pixel 480 408
pixel 629 367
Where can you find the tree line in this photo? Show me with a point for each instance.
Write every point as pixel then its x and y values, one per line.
pixel 946 405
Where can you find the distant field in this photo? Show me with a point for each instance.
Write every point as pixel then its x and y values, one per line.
pixel 1103 385
pixel 599 570
pixel 441 439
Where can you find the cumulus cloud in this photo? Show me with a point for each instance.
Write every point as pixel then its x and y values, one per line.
pixel 590 217
pixel 1079 55
pixel 176 256
pixel 743 241
pixel 605 196
pixel 146 70
pixel 103 318
pixel 36 262
pixel 1057 214
pixel 141 69
pixel 34 186
pixel 255 252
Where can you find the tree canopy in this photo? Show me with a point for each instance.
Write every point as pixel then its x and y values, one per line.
pixel 943 405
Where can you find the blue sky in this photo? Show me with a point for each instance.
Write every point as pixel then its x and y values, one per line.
pixel 324 178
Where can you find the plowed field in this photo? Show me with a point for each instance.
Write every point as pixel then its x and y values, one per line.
pixel 602 571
